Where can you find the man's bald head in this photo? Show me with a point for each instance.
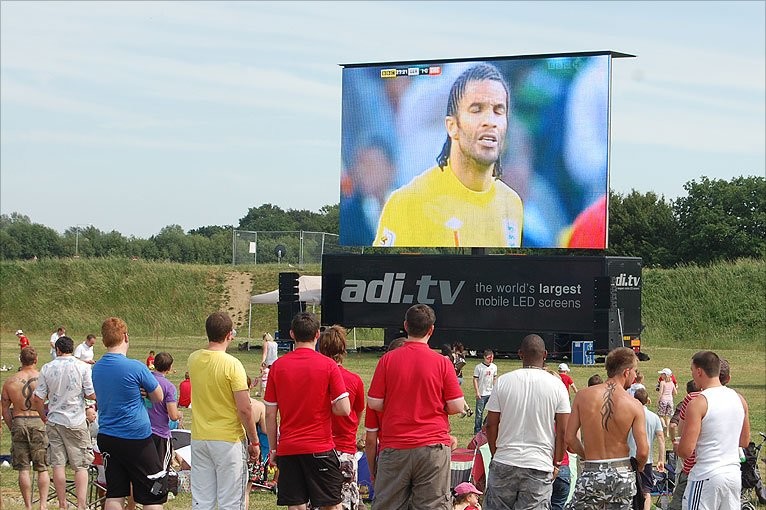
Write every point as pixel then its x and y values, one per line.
pixel 532 350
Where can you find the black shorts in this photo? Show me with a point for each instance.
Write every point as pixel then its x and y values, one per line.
pixel 133 461
pixel 314 477
pixel 164 448
pixel 646 479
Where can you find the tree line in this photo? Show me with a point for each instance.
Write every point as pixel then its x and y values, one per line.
pixel 716 220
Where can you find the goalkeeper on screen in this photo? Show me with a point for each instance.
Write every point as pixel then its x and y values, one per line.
pixel 461 201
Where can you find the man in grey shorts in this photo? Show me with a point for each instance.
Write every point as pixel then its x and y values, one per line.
pixel 66 383
pixel 525 408
pixel 604 414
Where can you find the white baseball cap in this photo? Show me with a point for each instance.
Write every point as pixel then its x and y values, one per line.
pixel 19 332
pixel 666 371
pixel 563 367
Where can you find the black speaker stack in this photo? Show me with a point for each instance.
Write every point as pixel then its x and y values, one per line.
pixel 607 332
pixel 289 303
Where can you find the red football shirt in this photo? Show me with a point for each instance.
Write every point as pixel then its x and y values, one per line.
pixel 344 427
pixel 372 421
pixel 184 393
pixel 303 384
pixel 566 380
pixel 415 384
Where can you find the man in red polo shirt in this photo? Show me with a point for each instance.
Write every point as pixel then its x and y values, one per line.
pixel 306 389
pixel 416 389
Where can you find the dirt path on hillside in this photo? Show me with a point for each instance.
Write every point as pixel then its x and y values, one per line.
pixel 238 288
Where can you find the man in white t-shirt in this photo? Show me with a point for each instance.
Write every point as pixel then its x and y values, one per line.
pixel 66 383
pixel 61 331
pixel 484 377
pixel 84 351
pixel 653 430
pixel 525 408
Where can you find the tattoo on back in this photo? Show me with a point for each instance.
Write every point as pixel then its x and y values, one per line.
pixel 607 407
pixel 26 392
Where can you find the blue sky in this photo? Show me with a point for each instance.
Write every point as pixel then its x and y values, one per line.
pixel 136 115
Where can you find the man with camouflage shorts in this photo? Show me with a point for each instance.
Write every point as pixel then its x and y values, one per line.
pixel 605 413
pixel 29 441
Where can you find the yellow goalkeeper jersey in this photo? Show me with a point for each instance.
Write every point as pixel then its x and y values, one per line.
pixel 436 209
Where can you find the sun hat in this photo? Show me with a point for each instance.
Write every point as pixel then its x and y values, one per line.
pixel 563 367
pixel 19 332
pixel 666 371
pixel 466 488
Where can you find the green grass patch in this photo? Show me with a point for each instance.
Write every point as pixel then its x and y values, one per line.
pixel 722 306
pixel 748 377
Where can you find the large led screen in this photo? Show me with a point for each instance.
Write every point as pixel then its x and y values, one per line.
pixel 501 152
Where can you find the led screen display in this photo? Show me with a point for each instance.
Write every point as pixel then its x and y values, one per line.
pixel 501 152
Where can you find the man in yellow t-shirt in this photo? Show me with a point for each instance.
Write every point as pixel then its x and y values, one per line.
pixel 461 202
pixel 220 407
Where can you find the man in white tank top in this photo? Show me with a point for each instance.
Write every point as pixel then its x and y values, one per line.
pixel 710 426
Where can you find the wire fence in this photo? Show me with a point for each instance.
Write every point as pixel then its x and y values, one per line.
pixel 294 247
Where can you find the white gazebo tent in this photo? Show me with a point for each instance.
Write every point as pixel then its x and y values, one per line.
pixel 309 290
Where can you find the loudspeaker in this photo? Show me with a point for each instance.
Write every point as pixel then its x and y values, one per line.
pixel 286 310
pixel 607 334
pixel 391 334
pixel 288 287
pixel 604 292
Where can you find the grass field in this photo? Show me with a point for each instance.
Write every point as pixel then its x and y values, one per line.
pixel 721 307
pixel 748 377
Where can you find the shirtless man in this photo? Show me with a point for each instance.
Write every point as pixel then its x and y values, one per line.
pixel 254 465
pixel 29 439
pixel 605 413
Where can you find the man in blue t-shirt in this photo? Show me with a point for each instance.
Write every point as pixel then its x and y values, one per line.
pixel 653 430
pixel 125 433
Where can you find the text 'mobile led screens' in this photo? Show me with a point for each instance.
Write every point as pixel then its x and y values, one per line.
pixel 501 152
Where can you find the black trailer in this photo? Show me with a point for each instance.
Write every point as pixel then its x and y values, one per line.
pixel 491 301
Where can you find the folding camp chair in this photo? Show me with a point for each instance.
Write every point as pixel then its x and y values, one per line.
pixel 461 465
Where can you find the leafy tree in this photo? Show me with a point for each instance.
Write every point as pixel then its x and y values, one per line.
pixel 210 230
pixel 306 220
pixel 331 218
pixel 7 220
pixel 721 219
pixel 26 240
pixel 642 225
pixel 267 217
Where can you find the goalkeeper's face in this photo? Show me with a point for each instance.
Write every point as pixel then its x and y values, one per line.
pixel 481 122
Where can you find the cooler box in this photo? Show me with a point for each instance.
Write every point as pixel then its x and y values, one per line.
pixel 582 353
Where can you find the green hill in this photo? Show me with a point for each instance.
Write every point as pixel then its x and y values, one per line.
pixel 721 306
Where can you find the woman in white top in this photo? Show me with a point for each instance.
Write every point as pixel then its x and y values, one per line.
pixel 269 350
